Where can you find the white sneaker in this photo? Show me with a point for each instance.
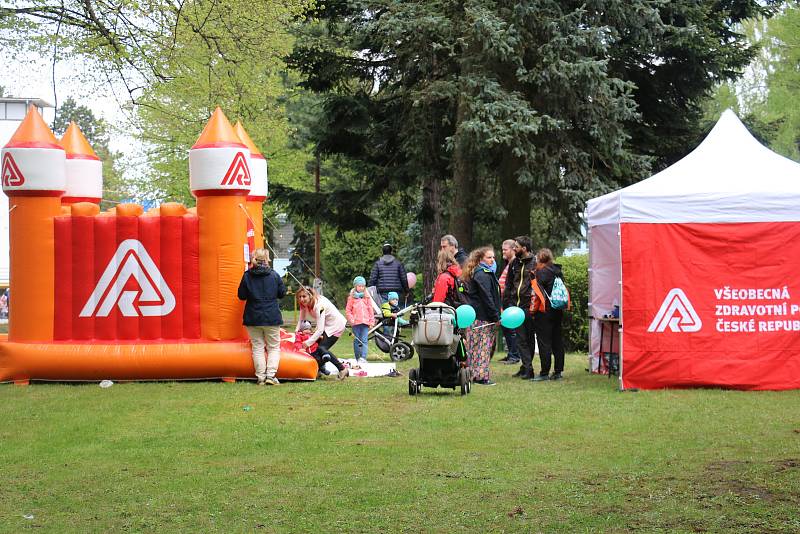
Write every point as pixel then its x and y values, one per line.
pixel 271 381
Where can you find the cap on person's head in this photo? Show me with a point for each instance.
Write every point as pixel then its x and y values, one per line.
pixel 305 325
pixel 387 248
pixel 359 281
pixel 393 295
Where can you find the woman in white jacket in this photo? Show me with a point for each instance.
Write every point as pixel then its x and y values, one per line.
pixel 330 325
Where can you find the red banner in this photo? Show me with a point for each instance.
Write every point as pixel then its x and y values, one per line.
pixel 127 278
pixel 711 305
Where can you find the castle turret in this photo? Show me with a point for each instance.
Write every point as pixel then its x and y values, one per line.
pixel 219 174
pixel 259 188
pixel 33 171
pixel 84 170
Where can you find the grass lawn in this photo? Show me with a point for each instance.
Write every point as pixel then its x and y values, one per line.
pixel 363 456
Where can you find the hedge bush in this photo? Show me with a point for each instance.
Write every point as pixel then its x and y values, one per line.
pixel 576 321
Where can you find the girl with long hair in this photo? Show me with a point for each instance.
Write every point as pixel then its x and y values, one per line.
pixel 447 270
pixel 484 295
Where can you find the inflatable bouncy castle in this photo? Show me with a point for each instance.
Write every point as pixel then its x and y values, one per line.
pixel 124 294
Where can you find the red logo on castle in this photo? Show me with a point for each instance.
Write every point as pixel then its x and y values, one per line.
pixel 12 177
pixel 238 173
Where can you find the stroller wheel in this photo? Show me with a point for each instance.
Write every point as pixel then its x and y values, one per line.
pixel 400 351
pixel 413 377
pixel 463 381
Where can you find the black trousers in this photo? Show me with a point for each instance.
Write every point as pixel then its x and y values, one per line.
pixel 526 344
pixel 551 340
pixel 323 353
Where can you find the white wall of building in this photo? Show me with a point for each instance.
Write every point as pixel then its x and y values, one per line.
pixel 11 114
pixel 7 129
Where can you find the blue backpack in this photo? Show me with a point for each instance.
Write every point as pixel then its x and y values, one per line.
pixel 559 297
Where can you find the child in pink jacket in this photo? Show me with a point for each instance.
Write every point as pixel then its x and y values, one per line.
pixel 360 315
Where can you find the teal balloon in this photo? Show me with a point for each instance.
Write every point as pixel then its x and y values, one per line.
pixel 512 317
pixel 465 316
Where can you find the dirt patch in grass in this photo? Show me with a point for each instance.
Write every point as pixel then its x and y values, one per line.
pixel 725 478
pixel 724 495
pixel 790 463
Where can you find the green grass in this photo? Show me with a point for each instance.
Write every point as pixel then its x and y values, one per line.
pixel 363 456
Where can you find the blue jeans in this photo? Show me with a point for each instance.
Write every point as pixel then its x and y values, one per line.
pixel 360 342
pixel 511 342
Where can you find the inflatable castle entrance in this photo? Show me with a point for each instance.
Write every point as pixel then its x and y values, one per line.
pixel 124 294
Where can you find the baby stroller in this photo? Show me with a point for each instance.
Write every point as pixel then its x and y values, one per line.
pixel 440 350
pixel 387 332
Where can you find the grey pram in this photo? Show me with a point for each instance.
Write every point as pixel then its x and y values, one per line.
pixel 437 340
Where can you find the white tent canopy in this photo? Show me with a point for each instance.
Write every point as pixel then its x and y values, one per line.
pixel 730 177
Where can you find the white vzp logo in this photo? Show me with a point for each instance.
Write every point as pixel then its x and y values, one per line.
pixel 677 313
pixel 130 260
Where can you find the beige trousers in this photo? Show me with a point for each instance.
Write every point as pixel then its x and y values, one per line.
pixel 271 336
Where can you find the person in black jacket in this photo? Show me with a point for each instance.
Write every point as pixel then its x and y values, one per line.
pixel 484 295
pixel 388 274
pixel 548 322
pixel 449 242
pixel 262 288
pixel 518 293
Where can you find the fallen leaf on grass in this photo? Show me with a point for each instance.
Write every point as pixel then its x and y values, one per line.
pixel 516 511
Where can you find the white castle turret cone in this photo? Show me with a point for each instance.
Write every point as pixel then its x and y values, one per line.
pixel 219 163
pixel 33 163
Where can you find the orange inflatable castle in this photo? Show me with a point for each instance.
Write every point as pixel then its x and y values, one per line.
pixel 127 295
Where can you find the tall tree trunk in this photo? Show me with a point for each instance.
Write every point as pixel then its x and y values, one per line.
pixel 462 215
pixel 516 198
pixel 431 219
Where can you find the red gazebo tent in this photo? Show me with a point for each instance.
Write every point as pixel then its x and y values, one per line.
pixel 704 260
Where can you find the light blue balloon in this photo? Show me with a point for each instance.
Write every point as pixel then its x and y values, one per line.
pixel 465 316
pixel 512 317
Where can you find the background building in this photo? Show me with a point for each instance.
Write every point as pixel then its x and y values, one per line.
pixel 282 235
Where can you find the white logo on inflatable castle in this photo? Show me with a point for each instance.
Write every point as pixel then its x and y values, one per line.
pixel 676 313
pixel 130 260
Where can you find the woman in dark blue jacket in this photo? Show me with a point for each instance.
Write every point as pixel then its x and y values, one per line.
pixel 262 288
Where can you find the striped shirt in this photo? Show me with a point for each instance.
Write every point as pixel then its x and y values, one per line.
pixel 503 276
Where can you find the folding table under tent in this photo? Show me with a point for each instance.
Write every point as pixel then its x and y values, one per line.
pixel 704 260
